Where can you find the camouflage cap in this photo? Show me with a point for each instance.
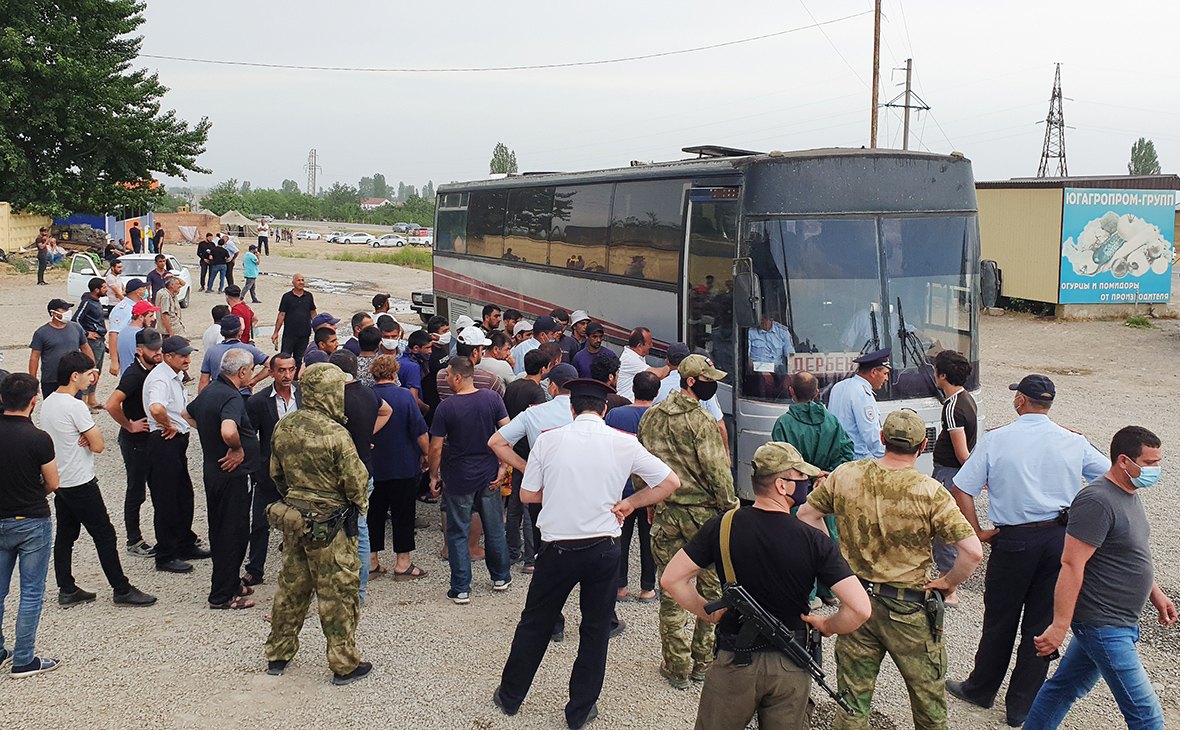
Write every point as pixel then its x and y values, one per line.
pixel 904 428
pixel 322 388
pixel 699 366
pixel 776 457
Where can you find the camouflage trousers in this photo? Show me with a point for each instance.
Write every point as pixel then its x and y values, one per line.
pixel 672 528
pixel 332 573
pixel 897 628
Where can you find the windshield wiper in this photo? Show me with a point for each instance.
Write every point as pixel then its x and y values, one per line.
pixel 911 348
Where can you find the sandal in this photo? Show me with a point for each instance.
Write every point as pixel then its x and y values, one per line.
pixel 251 580
pixel 379 570
pixel 655 596
pixel 246 591
pixel 411 573
pixel 235 605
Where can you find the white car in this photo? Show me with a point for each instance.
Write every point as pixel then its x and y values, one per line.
pixel 389 239
pixel 307 235
pixel 135 266
pixel 425 241
pixel 335 236
pixel 357 237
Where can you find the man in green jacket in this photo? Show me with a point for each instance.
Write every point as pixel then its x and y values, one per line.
pixel 819 437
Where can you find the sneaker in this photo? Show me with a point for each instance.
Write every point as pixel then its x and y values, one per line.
pixel 558 636
pixel 133 597
pixel 76 597
pixel 618 628
pixel 528 569
pixel 501 585
pixel 141 550
pixel 37 666
pixel 276 668
pixel 698 672
pixel 815 604
pixel 360 672
pixel 675 680
pixel 460 598
pixel 590 717
pixel 5 657
pixel 498 701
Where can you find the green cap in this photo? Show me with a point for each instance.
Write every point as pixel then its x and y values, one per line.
pixel 699 366
pixel 904 428
pixel 776 457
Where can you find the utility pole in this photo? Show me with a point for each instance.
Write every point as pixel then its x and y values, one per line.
pixel 312 167
pixel 876 69
pixel 1054 148
pixel 908 95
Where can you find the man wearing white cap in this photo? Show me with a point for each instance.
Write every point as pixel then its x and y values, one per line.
pixel 462 323
pixel 572 344
pixel 526 343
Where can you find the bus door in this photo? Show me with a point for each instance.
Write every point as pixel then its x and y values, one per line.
pixel 706 315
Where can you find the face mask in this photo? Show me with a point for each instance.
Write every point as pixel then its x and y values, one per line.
pixel 704 389
pixel 419 357
pixel 389 344
pixel 1148 476
pixel 801 489
pixel 444 339
pixel 59 316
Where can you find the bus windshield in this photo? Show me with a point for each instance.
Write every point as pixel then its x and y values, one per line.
pixel 835 288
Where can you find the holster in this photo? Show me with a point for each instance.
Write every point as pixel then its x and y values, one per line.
pixel 323 531
pixel 935 614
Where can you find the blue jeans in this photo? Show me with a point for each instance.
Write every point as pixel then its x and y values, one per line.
pixel 1099 651
pixel 215 271
pixel 28 540
pixel 490 506
pixel 362 543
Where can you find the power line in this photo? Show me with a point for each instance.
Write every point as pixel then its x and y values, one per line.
pixel 833 45
pixel 532 67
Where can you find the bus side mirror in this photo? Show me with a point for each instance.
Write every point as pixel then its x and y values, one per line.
pixel 747 296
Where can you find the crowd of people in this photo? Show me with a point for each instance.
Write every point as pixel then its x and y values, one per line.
pixel 548 454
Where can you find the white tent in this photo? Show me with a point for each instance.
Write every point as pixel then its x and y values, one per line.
pixel 235 223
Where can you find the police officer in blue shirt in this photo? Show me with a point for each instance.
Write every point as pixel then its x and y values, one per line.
pixel 1032 469
pixel 770 347
pixel 852 403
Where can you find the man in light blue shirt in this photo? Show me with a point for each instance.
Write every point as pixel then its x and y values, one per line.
pixel 1032 469
pixel 231 330
pixel 852 403
pixel 143 314
pixel 524 347
pixel 771 347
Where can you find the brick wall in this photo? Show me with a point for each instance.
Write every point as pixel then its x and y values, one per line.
pixel 172 221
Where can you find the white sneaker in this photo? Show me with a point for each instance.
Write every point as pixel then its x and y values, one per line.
pixel 460 598
pixel 501 585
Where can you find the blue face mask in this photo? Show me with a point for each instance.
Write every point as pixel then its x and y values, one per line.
pixel 1148 476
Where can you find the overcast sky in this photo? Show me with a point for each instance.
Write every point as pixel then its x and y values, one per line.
pixel 985 68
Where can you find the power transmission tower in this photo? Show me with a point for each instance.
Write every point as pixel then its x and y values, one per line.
pixel 908 94
pixel 311 168
pixel 1054 133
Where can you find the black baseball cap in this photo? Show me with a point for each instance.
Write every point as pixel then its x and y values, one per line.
pixel 562 374
pixel 133 285
pixel 230 323
pixel 56 304
pixel 177 345
pixel 149 338
pixel 1037 387
pixel 546 324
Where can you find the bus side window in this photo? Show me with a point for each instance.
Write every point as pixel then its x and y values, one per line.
pixel 485 223
pixel 712 245
pixel 647 229
pixel 577 237
pixel 526 229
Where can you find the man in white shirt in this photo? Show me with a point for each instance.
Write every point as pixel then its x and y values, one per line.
pixel 119 318
pixel 496 356
pixel 78 501
pixel 213 334
pixel 633 361
pixel 578 473
pixel 525 343
pixel 164 400
pixel 114 288
pixel 263 237
pixel 234 253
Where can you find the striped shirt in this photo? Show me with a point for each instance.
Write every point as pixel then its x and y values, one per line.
pixel 484 380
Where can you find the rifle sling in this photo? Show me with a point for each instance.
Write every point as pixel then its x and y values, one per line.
pixel 726 562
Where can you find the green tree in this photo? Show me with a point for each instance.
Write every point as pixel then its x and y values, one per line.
pixel 169 203
pixel 401 191
pixel 79 126
pixel 223 197
pixel 503 160
pixel 290 188
pixel 428 191
pixel 366 188
pixel 379 186
pixel 1143 159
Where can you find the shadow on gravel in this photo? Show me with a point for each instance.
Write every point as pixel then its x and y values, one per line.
pixel 1150 631
pixel 825 715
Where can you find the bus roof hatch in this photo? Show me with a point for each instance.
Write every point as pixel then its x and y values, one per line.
pixel 712 150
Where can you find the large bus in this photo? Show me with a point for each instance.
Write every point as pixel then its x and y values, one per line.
pixel 847 251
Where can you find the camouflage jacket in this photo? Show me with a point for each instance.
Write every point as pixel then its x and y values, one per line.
pixel 886 519
pixel 685 437
pixel 313 461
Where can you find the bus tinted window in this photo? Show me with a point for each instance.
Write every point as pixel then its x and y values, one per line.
pixel 581 216
pixel 647 229
pixel 526 228
pixel 485 222
pixel 712 246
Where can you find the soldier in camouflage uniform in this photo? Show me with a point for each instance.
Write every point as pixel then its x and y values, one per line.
pixel 316 469
pixel 685 437
pixel 887 512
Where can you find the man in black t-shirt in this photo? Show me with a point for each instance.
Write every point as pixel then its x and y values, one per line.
pixel 523 537
pixel 440 355
pixel 296 310
pixel 956 438
pixel 205 255
pixel 776 558
pixel 30 473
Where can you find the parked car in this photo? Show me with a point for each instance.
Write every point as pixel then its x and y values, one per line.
pixel 422 302
pixel 422 231
pixel 268 218
pixel 402 227
pixel 357 237
pixel 307 235
pixel 135 266
pixel 389 239
pixel 423 241
pixel 335 236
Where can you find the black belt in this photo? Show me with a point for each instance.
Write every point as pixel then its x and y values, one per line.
pixel 1043 523
pixel 882 590
pixel 728 642
pixel 582 544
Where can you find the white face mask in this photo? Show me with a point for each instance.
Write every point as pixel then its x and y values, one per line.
pixel 444 339
pixel 389 344
pixel 59 316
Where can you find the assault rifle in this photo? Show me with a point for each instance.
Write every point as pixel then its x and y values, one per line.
pixel 737 599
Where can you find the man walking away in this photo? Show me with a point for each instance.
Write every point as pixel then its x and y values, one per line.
pixel 90 315
pixel 229 444
pixel 233 299
pixel 1106 578
pixel 1027 490
pixel 158 238
pixel 78 501
pixel 136 236
pixel 125 406
pixel 956 438
pixel 250 270
pixel 296 310
pixel 321 478
pixel 52 341
pixel 26 534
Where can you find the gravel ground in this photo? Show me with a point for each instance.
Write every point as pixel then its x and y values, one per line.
pixel 179 665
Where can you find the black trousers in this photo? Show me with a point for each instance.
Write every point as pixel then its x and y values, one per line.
pixel 172 495
pixel 204 272
pixel 47 387
pixel 135 462
pixel 294 344
pixel 594 565
pixel 79 507
pixel 647 564
pixel 264 495
pixel 229 274
pixel 228 499
pixel 42 262
pixel 396 499
pixel 1021 576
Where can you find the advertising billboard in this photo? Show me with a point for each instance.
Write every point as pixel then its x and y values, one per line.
pixel 1117 246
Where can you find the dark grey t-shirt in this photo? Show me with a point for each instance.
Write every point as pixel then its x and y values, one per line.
pixel 53 343
pixel 1119 576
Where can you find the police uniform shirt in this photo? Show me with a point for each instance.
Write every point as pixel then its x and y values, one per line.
pixel 1032 468
pixel 853 404
pixel 532 421
pixel 166 386
pixel 582 468
pixel 769 350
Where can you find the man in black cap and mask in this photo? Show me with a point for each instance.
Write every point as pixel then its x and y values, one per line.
pixel 581 543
